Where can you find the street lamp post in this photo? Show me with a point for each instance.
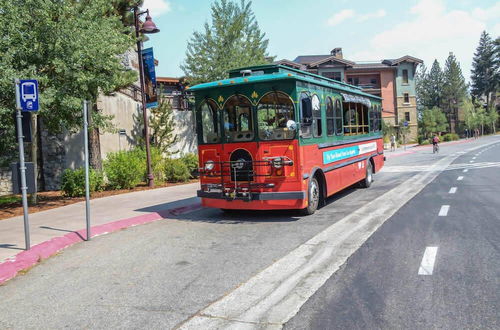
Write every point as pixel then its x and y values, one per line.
pixel 148 27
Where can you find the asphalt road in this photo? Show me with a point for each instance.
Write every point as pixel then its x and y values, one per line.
pixel 162 274
pixel 380 286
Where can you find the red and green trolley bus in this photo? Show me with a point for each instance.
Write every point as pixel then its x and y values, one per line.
pixel 273 137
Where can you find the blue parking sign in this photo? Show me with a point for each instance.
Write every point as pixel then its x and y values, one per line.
pixel 27 95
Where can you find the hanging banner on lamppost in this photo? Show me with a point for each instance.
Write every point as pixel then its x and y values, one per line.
pixel 148 61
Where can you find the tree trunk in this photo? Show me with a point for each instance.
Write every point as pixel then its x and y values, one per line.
pixel 95 159
pixel 34 155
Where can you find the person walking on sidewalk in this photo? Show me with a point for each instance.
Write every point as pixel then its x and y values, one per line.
pixel 393 142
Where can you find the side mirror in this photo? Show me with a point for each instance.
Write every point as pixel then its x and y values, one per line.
pixel 291 125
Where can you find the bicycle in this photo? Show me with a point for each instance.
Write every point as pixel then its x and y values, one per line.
pixel 435 148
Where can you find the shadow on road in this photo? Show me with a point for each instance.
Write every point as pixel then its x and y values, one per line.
pixel 165 207
pixel 236 217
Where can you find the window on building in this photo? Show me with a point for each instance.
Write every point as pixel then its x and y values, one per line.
pixel 332 75
pixel 407 116
pixel 405 76
pixel 316 113
pixel 373 81
pixel 406 97
pixel 338 117
pixel 330 121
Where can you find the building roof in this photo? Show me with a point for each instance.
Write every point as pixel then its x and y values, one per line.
pixel 289 63
pixel 167 80
pixel 406 58
pixel 306 59
pixel 333 59
pixel 311 61
pixel 375 65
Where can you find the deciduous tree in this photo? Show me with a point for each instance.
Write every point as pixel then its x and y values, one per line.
pixel 72 48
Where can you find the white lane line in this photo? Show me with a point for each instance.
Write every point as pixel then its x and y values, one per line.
pixel 428 260
pixel 471 161
pixel 466 170
pixel 444 210
pixel 274 295
pixel 452 190
pixel 460 178
pixel 473 157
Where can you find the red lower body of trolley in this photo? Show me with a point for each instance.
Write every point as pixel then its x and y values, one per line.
pixel 278 174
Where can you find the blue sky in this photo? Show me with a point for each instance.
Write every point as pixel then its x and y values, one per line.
pixel 366 30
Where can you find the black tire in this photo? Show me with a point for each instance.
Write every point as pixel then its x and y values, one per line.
pixel 313 197
pixel 367 181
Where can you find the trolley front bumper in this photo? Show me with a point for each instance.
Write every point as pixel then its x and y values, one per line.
pixel 253 196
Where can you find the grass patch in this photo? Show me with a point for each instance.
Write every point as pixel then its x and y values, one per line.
pixel 9 199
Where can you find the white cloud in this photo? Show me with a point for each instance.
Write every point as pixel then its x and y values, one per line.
pixel 488 13
pixel 340 17
pixel 157 7
pixel 432 34
pixel 345 14
pixel 377 14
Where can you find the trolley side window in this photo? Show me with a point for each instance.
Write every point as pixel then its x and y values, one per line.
pixel 209 122
pixel 330 117
pixel 316 115
pixel 305 115
pixel 275 109
pixel 338 118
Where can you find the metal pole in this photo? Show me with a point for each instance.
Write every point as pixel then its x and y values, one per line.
pixel 86 146
pixel 143 99
pixel 22 168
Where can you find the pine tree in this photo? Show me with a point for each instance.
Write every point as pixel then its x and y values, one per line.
pixel 421 86
pixel 484 69
pixel 232 40
pixel 429 86
pixel 454 89
pixel 435 86
pixel 163 126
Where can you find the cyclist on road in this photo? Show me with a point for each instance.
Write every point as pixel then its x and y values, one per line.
pixel 435 146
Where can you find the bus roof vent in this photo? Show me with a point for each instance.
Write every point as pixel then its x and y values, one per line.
pixel 245 73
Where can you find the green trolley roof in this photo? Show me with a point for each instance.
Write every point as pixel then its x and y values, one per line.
pixel 280 72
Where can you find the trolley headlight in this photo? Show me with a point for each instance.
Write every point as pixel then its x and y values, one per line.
pixel 209 165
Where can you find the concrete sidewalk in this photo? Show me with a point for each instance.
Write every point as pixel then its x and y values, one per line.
pixel 47 225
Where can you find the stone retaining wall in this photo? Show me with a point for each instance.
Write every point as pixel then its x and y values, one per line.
pixel 5 181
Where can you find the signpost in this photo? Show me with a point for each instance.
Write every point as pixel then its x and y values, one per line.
pixel 26 100
pixel 86 146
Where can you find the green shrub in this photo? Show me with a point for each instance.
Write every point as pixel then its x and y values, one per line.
pixel 191 161
pixel 73 182
pixel 450 137
pixel 125 169
pixel 176 170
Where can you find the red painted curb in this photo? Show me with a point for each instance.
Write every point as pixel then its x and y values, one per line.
pixel 27 259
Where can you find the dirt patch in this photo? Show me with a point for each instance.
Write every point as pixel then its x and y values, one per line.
pixel 51 199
